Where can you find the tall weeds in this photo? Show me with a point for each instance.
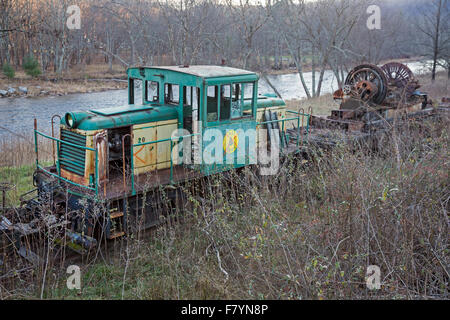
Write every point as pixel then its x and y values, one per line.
pixel 309 232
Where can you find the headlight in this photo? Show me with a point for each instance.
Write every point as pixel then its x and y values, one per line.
pixel 74 119
pixel 70 120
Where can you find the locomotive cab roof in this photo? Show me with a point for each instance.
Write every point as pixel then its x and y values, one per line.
pixel 151 110
pixel 201 71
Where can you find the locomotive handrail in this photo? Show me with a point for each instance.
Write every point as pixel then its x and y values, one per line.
pixel 53 135
pixel 303 114
pixel 65 142
pixel 36 133
pixel 124 162
pixel 66 180
pixel 271 121
pixel 300 115
pixel 165 140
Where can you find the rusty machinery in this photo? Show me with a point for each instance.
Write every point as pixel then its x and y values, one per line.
pixel 369 91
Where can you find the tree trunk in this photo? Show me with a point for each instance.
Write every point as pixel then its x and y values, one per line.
pixel 313 71
pixel 436 42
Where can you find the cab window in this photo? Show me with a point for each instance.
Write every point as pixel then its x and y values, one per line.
pixel 225 102
pixel 212 103
pixel 171 93
pixel 152 91
pixel 134 90
pixel 242 100
pixel 237 99
pixel 247 90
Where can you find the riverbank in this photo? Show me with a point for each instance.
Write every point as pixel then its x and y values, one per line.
pixel 95 78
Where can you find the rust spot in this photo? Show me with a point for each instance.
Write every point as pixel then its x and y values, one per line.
pixel 74 177
pixel 338 94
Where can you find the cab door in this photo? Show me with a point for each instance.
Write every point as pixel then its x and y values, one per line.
pixel 230 131
pixel 101 144
pixel 191 120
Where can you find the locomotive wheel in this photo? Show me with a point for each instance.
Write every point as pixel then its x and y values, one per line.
pixel 373 74
pixel 397 74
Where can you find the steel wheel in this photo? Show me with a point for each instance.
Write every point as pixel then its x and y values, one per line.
pixel 373 74
pixel 397 74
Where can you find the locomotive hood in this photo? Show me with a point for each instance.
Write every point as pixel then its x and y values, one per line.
pixel 118 117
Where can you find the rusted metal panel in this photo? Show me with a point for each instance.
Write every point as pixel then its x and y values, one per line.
pixel 90 155
pixel 74 177
pixel 101 144
pixel 152 156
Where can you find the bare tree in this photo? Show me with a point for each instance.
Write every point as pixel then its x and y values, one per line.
pixel 286 18
pixel 434 25
pixel 319 30
pixel 316 36
pixel 186 22
pixel 248 17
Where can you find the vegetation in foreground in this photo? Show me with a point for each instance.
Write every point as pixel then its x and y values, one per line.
pixel 308 233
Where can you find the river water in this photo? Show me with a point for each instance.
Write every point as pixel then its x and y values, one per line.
pixel 17 114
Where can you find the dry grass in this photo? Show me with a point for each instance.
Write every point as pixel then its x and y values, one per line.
pixel 437 90
pixel 95 71
pixel 307 233
pixel 17 151
pixel 18 162
pixel 320 106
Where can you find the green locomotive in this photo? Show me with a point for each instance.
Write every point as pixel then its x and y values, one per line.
pixel 113 158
